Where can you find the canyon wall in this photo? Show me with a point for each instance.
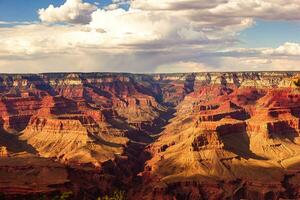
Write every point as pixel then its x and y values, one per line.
pixel 154 136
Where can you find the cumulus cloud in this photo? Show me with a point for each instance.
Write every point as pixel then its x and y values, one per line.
pixel 150 36
pixel 73 11
pixel 287 49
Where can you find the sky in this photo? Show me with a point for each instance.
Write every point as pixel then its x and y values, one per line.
pixel 146 36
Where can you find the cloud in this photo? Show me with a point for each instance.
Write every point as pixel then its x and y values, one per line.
pixel 263 9
pixel 73 11
pixel 257 61
pixel 175 5
pixel 182 67
pixel 10 23
pixel 150 36
pixel 287 49
pixel 252 64
pixel 229 9
pixel 112 6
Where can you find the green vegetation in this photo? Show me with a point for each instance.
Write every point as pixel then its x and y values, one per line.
pixel 117 195
pixel 64 196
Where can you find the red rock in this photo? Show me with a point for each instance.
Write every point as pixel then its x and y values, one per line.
pixel 234 135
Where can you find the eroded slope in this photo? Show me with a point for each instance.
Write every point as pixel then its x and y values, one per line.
pixel 234 135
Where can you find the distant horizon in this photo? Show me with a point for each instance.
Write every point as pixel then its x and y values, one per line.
pixel 149 73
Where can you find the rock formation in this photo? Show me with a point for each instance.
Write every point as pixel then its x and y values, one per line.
pixel 156 136
pixel 3 152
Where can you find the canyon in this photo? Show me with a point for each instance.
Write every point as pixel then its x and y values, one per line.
pixel 214 135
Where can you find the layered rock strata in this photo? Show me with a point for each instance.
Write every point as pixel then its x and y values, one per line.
pixel 155 136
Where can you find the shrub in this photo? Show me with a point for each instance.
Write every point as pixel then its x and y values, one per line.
pixel 117 195
pixel 64 196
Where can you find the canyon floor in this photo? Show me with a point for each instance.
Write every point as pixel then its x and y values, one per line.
pixel 233 135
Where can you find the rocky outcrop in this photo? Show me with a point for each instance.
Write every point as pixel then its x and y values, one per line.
pixel 71 133
pixel 222 132
pixel 155 136
pixel 16 112
pixel 3 152
pixel 26 176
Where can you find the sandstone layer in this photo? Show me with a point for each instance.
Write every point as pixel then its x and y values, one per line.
pixel 155 136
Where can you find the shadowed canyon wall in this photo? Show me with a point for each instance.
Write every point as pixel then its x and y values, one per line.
pixel 151 136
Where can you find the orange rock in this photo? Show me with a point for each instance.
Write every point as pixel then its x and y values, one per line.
pixel 3 152
pixel 233 135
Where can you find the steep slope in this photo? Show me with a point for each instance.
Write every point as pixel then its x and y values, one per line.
pixel 233 135
pixel 221 145
pixel 61 130
pixel 26 176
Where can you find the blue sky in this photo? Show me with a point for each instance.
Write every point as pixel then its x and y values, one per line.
pixel 150 36
pixel 267 33
pixel 26 10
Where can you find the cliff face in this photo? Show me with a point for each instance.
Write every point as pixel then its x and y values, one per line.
pixel 156 136
pixel 228 140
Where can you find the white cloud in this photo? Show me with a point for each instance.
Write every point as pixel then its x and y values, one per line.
pixel 73 11
pixel 257 61
pixel 112 6
pixel 264 9
pixel 16 22
pixel 182 67
pixel 151 36
pixel 175 5
pixel 287 49
pixel 252 64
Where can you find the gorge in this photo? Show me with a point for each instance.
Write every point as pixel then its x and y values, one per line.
pixel 215 135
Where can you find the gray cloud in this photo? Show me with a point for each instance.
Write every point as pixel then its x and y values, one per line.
pixel 151 36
